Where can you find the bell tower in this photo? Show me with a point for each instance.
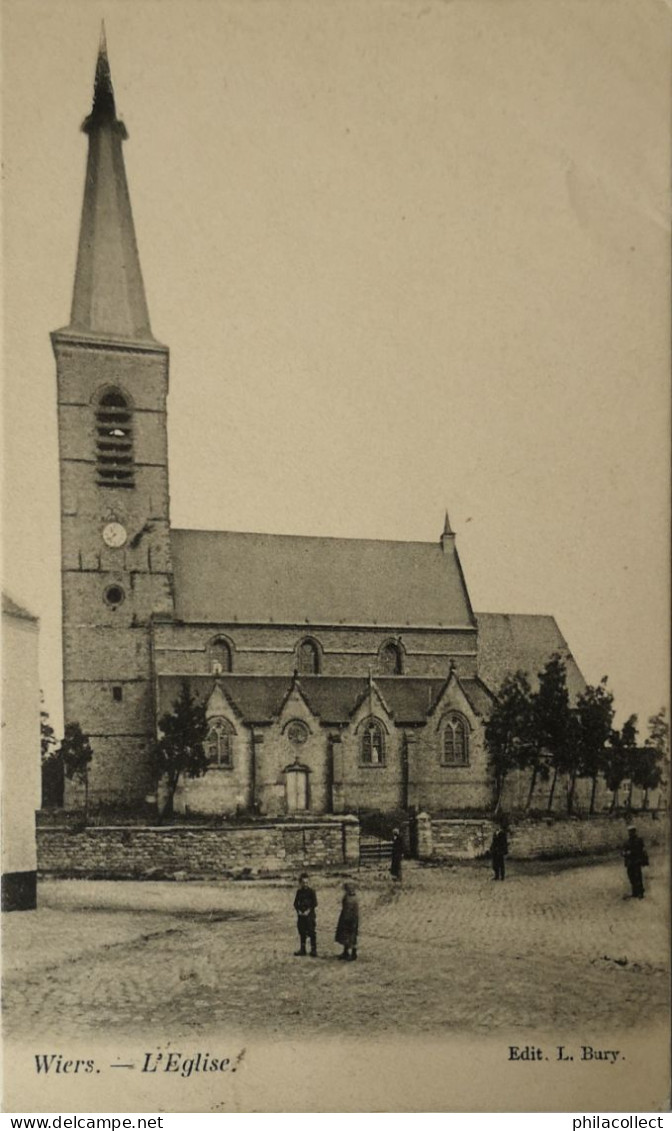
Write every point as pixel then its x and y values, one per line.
pixel 112 379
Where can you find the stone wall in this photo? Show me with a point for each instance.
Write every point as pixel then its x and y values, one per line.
pixel 189 852
pixel 459 839
pixel 181 649
pixel 539 838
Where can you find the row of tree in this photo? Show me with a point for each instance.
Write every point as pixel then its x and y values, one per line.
pixel 537 731
pixel 540 731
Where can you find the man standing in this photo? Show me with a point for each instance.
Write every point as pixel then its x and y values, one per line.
pixel 397 855
pixel 635 857
pixel 305 904
pixel 499 849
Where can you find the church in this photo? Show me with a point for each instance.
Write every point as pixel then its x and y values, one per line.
pixel 339 675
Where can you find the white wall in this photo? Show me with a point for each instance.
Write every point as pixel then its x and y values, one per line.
pixel 21 787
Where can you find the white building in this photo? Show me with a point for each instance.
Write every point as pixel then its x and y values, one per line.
pixel 21 787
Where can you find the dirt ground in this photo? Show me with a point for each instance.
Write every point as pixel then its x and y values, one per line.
pixel 448 950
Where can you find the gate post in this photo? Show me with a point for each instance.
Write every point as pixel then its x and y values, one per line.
pixel 350 829
pixel 424 836
pixel 411 833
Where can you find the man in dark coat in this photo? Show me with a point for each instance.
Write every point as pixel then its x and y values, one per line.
pixel 635 857
pixel 305 905
pixel 499 849
pixel 397 855
pixel 347 927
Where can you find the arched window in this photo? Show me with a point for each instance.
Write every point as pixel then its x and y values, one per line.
pixel 390 659
pixel 455 741
pixel 219 655
pixel 219 744
pixel 372 740
pixel 114 441
pixel 308 658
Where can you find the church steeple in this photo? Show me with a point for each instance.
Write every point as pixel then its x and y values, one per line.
pixel 116 566
pixel 109 296
pixel 103 108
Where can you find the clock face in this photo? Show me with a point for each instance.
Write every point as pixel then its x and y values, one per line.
pixel 114 535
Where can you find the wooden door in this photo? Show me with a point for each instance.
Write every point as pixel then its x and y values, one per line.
pixel 297 791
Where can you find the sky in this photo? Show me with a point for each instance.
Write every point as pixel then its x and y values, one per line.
pixel 406 256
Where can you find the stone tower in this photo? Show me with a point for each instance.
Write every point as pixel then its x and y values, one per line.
pixel 112 378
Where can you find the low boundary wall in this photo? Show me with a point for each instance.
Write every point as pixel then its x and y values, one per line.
pixel 537 838
pixel 179 852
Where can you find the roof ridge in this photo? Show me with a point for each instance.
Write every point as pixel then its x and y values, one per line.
pixel 305 537
pixel 528 616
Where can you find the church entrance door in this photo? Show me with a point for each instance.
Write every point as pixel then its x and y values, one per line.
pixel 297 790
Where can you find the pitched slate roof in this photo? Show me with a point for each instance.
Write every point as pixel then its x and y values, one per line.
pixel 508 642
pixel 333 699
pixel 224 576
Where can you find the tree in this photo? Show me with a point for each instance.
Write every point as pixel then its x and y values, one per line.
pixel 659 734
pixel 659 743
pixel 594 715
pixel 508 730
pixel 620 756
pixel 180 748
pixel 77 754
pixel 47 736
pixel 551 724
pixel 647 771
pixel 51 764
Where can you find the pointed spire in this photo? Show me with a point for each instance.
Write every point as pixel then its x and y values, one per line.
pixel 108 300
pixel 447 536
pixel 103 108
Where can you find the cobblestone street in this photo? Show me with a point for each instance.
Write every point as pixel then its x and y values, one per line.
pixel 449 951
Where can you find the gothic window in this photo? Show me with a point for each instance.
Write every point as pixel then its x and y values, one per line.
pixel 455 741
pixel 219 655
pixel 114 441
pixel 372 740
pixel 390 659
pixel 308 658
pixel 219 744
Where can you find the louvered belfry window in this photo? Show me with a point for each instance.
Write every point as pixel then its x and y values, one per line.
pixel 114 441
